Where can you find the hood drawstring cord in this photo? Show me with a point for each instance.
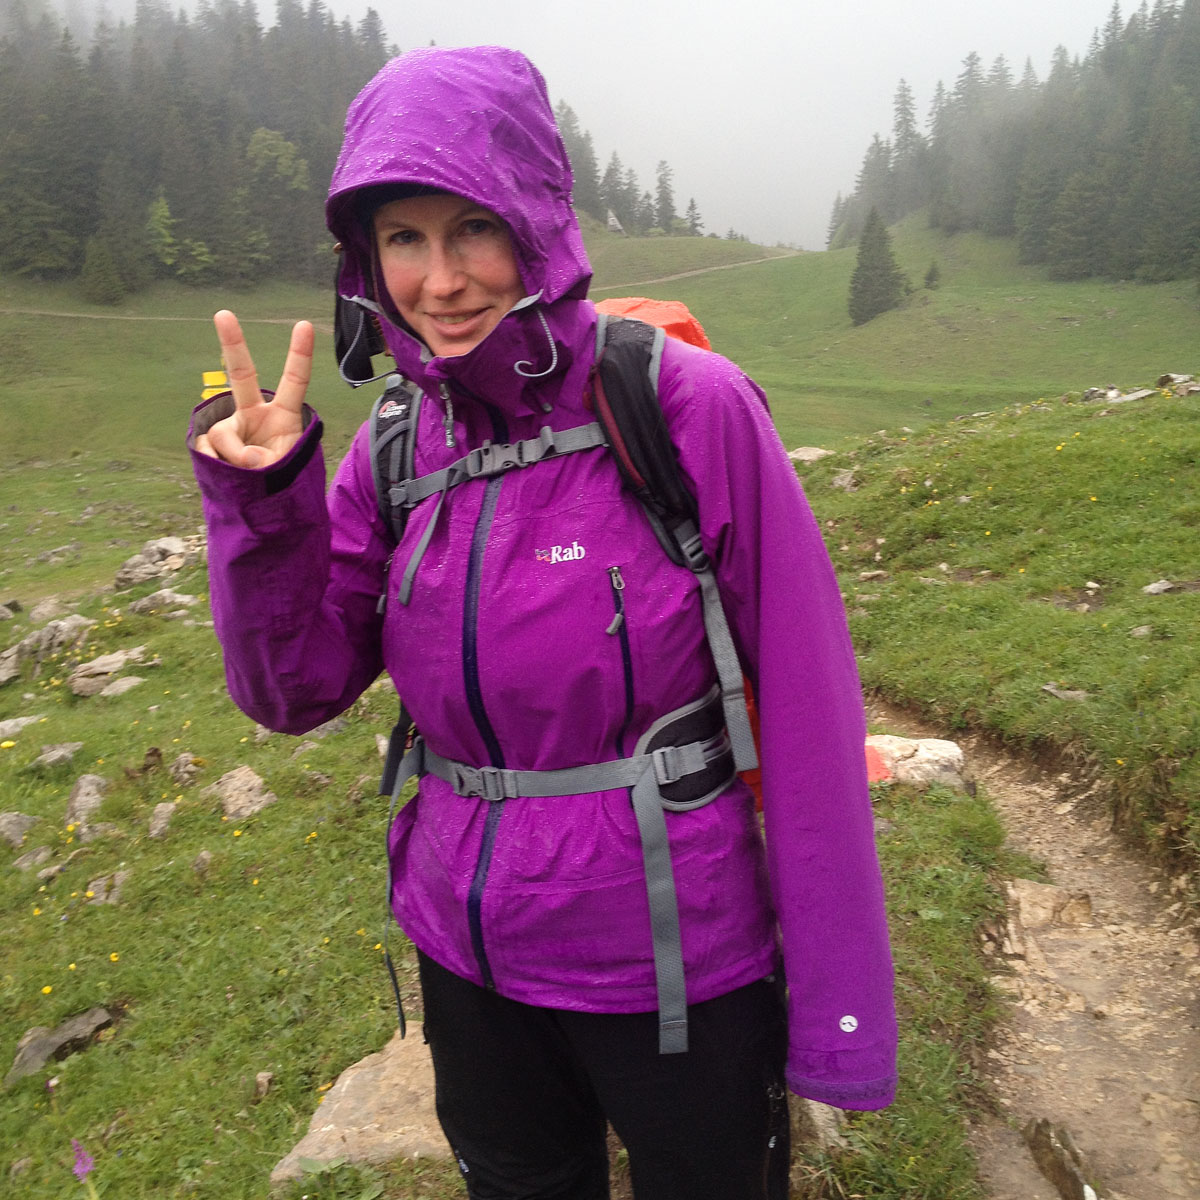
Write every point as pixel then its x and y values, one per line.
pixel 520 366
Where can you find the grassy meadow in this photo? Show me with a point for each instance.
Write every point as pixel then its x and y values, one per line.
pixel 992 531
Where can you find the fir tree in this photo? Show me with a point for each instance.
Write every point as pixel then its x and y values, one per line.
pixel 100 281
pixel 877 283
pixel 694 223
pixel 664 202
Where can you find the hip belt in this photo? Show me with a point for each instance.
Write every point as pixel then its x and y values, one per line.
pixel 682 762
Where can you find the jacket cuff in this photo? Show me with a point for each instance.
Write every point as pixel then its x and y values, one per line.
pixel 216 473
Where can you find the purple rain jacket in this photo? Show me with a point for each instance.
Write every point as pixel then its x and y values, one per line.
pixel 506 655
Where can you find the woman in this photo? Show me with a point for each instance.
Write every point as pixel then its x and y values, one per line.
pixel 531 914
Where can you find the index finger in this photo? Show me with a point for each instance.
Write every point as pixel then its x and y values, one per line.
pixel 239 366
pixel 297 368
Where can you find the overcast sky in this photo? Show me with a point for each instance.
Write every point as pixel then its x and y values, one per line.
pixel 763 108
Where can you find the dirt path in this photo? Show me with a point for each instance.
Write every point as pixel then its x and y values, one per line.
pixel 1102 1034
pixel 637 283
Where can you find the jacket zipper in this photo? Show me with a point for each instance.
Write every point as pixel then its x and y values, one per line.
pixel 474 693
pixel 620 627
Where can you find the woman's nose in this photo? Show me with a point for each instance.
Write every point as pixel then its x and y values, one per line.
pixel 445 274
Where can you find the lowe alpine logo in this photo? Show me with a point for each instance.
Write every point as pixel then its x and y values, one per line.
pixel 561 553
pixel 391 408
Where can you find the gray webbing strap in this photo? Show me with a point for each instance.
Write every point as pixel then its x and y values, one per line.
pixel 645 774
pixel 490 459
pixel 410 569
pixel 669 982
pixel 482 463
pixel 666 765
pixel 720 643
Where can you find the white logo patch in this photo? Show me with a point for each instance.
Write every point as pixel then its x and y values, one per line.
pixel 848 1024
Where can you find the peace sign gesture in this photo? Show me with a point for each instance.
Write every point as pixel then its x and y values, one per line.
pixel 261 431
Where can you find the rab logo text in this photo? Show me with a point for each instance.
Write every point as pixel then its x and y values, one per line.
pixel 561 553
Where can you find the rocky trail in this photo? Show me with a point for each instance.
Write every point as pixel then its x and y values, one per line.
pixel 1101 1038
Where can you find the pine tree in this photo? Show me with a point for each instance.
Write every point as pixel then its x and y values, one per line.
pixel 100 281
pixel 664 204
pixel 877 283
pixel 694 223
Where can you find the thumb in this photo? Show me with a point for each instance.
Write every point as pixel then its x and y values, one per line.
pixel 254 457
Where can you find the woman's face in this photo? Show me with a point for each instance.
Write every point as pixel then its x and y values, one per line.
pixel 449 268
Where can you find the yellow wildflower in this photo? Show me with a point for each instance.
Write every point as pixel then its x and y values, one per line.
pixel 114 957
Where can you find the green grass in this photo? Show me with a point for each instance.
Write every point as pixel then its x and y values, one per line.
pixel 1016 548
pixel 269 961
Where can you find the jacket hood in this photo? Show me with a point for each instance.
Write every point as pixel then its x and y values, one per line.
pixel 476 122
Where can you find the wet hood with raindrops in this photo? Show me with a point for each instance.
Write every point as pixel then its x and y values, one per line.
pixel 476 122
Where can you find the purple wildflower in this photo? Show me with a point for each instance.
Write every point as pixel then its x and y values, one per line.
pixel 84 1162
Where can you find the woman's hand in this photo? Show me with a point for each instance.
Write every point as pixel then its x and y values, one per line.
pixel 260 431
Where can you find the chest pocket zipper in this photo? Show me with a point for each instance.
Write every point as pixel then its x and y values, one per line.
pixel 619 627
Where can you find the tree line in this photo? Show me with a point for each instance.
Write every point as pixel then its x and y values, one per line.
pixel 1093 170
pixel 198 148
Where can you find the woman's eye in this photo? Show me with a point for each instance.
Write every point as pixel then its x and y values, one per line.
pixel 477 225
pixel 404 237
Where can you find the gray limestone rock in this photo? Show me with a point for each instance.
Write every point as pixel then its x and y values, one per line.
pixel 184 769
pixel 107 888
pixel 59 755
pixel 921 760
pixel 161 819
pixel 86 797
pixel 33 858
pixel 162 601
pixel 91 678
pixel 379 1110
pixel 242 793
pixel 13 726
pixel 119 687
pixel 808 454
pixel 39 1045
pixel 14 826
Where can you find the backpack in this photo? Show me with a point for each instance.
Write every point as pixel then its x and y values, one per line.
pixel 689 756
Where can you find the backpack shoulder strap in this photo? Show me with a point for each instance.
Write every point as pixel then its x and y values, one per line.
pixel 393 426
pixel 628 409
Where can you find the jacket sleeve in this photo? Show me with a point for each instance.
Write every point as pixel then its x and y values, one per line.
pixel 293 592
pixel 786 615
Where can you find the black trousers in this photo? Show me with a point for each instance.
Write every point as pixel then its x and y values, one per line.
pixel 524 1095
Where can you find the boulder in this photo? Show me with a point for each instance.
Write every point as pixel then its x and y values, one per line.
pixel 921 760
pixel 39 1045
pixel 86 797
pixel 92 678
pixel 242 793
pixel 162 600
pixel 379 1110
pixel 119 687
pixel 14 725
pixel 808 454
pixel 107 888
pixel 33 858
pixel 161 819
pixel 59 755
pixel 14 826
pixel 184 769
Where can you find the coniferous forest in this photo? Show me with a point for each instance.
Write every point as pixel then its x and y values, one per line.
pixel 198 148
pixel 1094 170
